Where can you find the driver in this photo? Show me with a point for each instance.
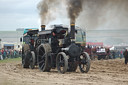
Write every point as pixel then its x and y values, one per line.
pixel 54 42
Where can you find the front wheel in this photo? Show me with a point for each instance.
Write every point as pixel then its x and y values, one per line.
pixel 85 62
pixel 25 56
pixel 62 62
pixel 32 60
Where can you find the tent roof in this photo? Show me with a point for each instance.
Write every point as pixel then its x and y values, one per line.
pixel 8 44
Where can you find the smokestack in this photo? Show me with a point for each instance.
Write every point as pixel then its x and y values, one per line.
pixel 42 27
pixel 72 32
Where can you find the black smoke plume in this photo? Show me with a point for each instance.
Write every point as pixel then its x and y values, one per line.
pixel 47 8
pixel 74 9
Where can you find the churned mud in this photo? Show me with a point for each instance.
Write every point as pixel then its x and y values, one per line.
pixel 103 72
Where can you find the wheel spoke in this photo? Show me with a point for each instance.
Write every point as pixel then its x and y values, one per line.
pixel 41 50
pixel 41 61
pixel 42 57
pixel 61 61
pixel 60 58
pixel 31 59
pixel 61 64
pixel 42 65
pixel 84 63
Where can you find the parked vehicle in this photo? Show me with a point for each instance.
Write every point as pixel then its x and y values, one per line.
pixel 101 53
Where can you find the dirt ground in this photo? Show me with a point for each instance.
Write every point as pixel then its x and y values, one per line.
pixel 103 72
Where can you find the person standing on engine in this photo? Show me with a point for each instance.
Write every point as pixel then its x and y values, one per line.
pixel 126 56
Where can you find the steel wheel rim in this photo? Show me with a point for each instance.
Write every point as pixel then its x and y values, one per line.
pixel 41 59
pixel 61 63
pixel 83 63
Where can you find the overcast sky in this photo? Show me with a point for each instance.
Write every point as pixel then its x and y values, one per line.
pixel 24 14
pixel 18 14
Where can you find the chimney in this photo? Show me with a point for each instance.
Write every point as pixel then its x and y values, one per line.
pixel 42 27
pixel 72 32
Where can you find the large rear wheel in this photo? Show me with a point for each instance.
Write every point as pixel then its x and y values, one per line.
pixel 43 58
pixel 62 62
pixel 84 64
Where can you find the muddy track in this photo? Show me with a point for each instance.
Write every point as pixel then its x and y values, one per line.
pixel 103 72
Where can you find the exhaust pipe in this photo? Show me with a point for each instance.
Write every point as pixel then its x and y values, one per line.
pixel 72 32
pixel 42 27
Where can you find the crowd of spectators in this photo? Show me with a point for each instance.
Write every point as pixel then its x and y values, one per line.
pixel 116 54
pixel 9 53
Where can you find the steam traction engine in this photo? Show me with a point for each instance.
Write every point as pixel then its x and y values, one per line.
pixel 56 48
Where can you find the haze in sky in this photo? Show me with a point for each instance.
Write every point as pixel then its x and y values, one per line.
pixel 96 14
pixel 20 14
